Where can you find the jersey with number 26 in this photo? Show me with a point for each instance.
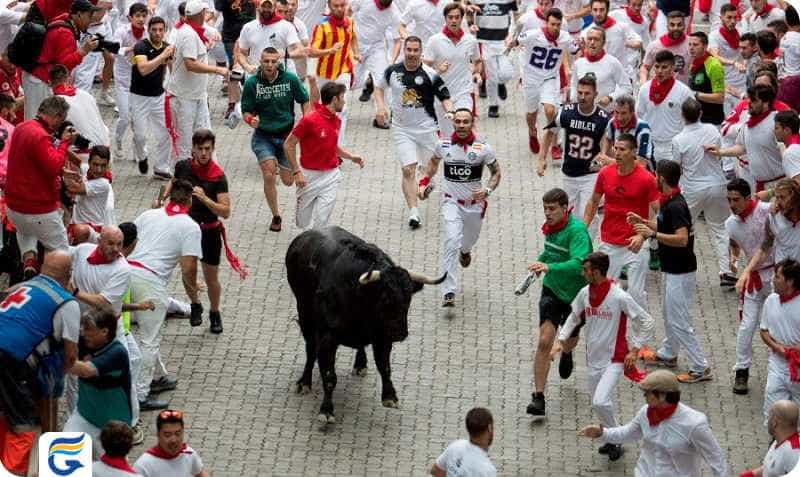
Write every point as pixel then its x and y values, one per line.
pixel 543 57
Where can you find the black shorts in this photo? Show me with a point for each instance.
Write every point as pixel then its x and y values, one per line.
pixel 18 393
pixel 211 243
pixel 552 309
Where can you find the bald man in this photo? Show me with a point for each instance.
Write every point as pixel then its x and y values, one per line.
pixel 42 314
pixel 784 452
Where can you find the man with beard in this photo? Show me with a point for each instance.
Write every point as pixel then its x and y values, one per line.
pixel 619 37
pixel 414 88
pixel 675 41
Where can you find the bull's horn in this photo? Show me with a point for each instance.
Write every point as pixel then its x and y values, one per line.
pixel 420 278
pixel 369 277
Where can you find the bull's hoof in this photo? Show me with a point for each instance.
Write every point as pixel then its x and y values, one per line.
pixel 302 388
pixel 392 403
pixel 361 372
pixel 326 418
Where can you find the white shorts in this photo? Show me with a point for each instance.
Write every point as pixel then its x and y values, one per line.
pixel 410 146
pixel 46 228
pixel 544 93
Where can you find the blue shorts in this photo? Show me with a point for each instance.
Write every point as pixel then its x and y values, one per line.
pixel 269 148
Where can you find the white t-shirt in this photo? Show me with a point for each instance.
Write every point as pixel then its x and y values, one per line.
pixel 790 53
pixel 187 464
pixel 254 37
pixel 542 57
pixel 310 12
pixel 749 234
pixel 109 279
pixel 791 161
pixel 701 169
pixel 9 22
pixel 787 238
pixel 183 83
pixel 616 36
pixel 463 169
pixel 752 23
pixel 568 7
pixel 372 24
pixel 781 459
pixel 85 116
pixel 681 52
pixel 530 20
pixel 422 18
pixel 733 76
pixel 164 239
pixel 764 161
pixel 123 61
pixel 413 96
pixel 665 118
pixel 101 469
pixel 464 459
pixel 458 77
pixel 782 321
pixel 641 29
pixel 609 73
pixel 97 205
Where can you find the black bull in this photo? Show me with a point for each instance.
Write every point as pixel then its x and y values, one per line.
pixel 348 293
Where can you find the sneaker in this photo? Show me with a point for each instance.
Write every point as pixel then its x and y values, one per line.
pixel 196 319
pixel 449 300
pixel 536 407
pixel 740 381
pixel 143 167
pixel 275 226
pixel 533 144
pixel 216 322
pixel 164 383
pixel 366 92
pixel 691 377
pixel 555 153
pixel 378 125
pixel 623 274
pixel 482 90
pixel 652 358
pixel 413 221
pixel 565 365
pixel 604 449
pixel 615 452
pixel 138 434
pixel 119 152
pixel 465 259
pixel 30 268
pixel 727 280
pixel 232 119
pixel 152 404
pixel 655 262
pixel 162 176
pixel 494 112
pixel 502 92
pixel 106 98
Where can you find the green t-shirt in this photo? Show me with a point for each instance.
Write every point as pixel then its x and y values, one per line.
pixel 273 101
pixel 709 79
pixel 563 253
pixel 107 396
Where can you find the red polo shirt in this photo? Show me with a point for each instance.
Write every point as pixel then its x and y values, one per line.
pixel 318 133
pixel 34 169
pixel 60 48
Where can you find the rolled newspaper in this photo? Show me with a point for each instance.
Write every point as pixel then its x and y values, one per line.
pixel 526 283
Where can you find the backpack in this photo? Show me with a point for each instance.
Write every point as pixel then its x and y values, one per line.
pixel 27 44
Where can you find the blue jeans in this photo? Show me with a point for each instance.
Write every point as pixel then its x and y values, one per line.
pixel 269 147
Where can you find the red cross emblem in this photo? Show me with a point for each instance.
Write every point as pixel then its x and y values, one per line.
pixel 16 299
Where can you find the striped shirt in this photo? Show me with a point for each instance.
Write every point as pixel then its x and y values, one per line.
pixel 325 35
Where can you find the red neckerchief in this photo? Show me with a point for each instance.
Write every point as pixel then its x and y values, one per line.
pixel 668 41
pixel 210 172
pixel 138 32
pixel 608 23
pixel 656 415
pixel 552 39
pixel 748 209
pixel 594 58
pixel 732 37
pixel 753 121
pixel 635 374
pixel 107 175
pixel 64 90
pixel 547 230
pixel 636 18
pixel 339 22
pixel 539 13
pixel 789 297
pixel 381 7
pixel 161 454
pixel 698 63
pixel 465 142
pixel 454 37
pixel 598 293
pixel 174 209
pixel 117 463
pixel 793 139
pixel 665 197
pixel 771 56
pixel 794 441
pixel 197 29
pixel 275 18
pixel 619 127
pixel 97 258
pixel 659 91
pixel 767 8
pixel 434 2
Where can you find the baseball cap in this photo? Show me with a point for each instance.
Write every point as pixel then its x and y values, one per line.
pixel 83 6
pixel 193 7
pixel 660 380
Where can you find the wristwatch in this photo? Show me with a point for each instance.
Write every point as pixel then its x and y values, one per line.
pixel 489 191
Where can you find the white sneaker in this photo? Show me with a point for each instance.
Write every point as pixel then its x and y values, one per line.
pixel 106 98
pixel 119 152
pixel 138 434
pixel 232 120
pixel 413 218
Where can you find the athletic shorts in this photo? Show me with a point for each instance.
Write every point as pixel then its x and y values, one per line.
pixel 552 309
pixel 544 93
pixel 267 147
pixel 211 245
pixel 413 147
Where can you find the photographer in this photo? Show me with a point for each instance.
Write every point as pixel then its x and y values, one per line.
pixel 83 111
pixel 60 47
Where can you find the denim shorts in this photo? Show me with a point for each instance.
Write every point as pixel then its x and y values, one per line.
pixel 269 148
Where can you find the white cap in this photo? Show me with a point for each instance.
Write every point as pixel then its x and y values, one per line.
pixel 193 7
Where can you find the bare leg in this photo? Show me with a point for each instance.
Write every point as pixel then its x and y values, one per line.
pixel 211 275
pixel 268 172
pixel 542 359
pixel 409 185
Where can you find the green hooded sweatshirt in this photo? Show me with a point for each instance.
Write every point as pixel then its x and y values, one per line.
pixel 273 101
pixel 563 253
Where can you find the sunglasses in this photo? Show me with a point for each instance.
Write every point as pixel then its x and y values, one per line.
pixel 169 413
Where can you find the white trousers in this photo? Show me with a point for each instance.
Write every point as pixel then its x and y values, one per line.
pixel 188 115
pixel 315 201
pixel 345 80
pixel 76 423
pixel 146 286
pixel 637 264
pixel 83 75
pixel 122 94
pixel 779 384
pixel 488 53
pixel 150 119
pixel 602 383
pixel 45 228
pixel 662 150
pixel 579 190
pixel 461 226
pixel 713 202
pixel 677 293
pixel 35 92
pixel 375 61
pixel 750 312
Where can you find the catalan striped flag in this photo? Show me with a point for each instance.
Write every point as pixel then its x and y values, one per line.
pixel 327 33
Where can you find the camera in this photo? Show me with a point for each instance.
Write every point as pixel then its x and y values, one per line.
pixel 81 142
pixel 105 45
pixel 237 75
